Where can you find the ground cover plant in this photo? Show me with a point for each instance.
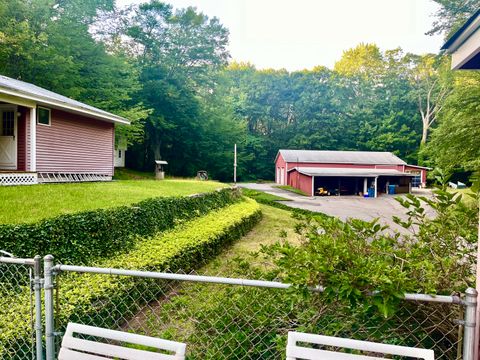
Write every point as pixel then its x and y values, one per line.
pixel 261 196
pixel 105 300
pixel 28 204
pixel 291 189
pixel 277 201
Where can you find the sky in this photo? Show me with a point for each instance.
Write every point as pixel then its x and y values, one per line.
pixel 301 34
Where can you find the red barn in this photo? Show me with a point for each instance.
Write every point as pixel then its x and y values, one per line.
pixel 346 172
pixel 47 137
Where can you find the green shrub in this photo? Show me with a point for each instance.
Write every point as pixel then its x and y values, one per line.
pixel 82 237
pixel 360 262
pixel 103 300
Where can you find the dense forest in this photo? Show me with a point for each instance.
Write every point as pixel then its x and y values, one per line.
pixel 169 71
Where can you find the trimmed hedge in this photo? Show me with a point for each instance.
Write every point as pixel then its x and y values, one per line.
pixel 102 299
pixel 82 237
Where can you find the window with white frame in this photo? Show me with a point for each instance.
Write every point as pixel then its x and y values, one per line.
pixel 43 116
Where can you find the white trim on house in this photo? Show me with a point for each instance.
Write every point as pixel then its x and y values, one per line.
pixel 60 105
pixel 464 45
pixel 14 164
pixel 33 139
pixel 16 101
pixel 466 51
pixel 49 116
pixel 18 178
pixel 285 180
pixel 119 157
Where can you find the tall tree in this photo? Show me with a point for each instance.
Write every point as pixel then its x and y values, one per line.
pixel 432 81
pixel 451 15
pixel 178 54
pixel 455 143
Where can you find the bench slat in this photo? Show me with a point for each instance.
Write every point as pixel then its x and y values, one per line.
pixel 126 337
pixel 110 350
pixel 66 354
pixel 313 354
pixel 295 351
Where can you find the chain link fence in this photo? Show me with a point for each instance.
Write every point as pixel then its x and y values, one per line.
pixel 20 306
pixel 218 318
pixel 225 318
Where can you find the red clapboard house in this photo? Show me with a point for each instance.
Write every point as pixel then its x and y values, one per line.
pixel 47 137
pixel 346 172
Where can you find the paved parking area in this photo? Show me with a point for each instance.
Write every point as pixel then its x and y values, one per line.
pixel 343 207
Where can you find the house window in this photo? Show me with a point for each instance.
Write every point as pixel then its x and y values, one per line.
pixel 43 116
pixel 8 123
pixel 119 154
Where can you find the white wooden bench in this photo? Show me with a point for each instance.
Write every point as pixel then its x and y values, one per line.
pixel 74 348
pixel 295 351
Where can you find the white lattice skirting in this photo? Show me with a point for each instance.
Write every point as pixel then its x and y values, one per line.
pixel 18 179
pixel 71 177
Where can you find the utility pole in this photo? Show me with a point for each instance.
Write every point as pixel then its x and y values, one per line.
pixel 235 165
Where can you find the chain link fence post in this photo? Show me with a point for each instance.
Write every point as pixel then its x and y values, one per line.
pixel 49 315
pixel 37 287
pixel 469 324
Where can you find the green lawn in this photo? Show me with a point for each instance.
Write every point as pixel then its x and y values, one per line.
pixel 291 189
pixel 266 232
pixel 129 174
pixel 26 204
pixel 261 196
pixel 180 313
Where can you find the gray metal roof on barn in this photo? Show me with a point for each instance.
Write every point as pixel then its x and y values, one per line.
pixel 341 157
pixel 351 172
pixel 29 91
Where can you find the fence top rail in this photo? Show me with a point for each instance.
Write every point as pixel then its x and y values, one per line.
pixel 18 261
pixel 231 281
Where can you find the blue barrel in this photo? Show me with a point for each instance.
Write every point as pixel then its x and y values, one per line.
pixel 371 192
pixel 391 189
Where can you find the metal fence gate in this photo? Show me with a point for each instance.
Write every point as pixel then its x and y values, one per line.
pixel 217 317
pixel 21 308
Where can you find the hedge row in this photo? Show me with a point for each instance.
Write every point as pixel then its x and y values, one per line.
pixel 103 300
pixel 82 237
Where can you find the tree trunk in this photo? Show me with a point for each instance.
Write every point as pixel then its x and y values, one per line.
pixel 424 134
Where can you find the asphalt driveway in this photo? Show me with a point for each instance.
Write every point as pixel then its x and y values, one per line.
pixel 343 207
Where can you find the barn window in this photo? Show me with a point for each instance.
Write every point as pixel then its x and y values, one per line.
pixel 119 154
pixel 43 116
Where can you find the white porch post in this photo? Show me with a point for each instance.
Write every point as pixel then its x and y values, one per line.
pixel 375 184
pixel 365 185
pixel 33 139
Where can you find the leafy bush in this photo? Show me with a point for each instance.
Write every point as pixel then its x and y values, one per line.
pixel 104 300
pixel 94 298
pixel 361 262
pixel 86 236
